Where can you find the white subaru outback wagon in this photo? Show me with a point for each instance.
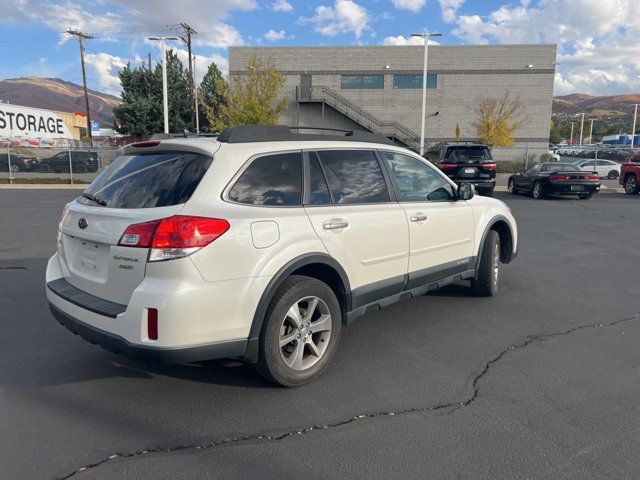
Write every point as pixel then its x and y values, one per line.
pixel 261 243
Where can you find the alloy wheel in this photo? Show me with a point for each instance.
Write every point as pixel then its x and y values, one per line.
pixel 305 332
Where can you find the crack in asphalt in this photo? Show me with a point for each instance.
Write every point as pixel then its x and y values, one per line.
pixel 14 268
pixel 449 407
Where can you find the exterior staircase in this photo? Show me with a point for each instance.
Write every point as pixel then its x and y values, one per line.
pixel 392 130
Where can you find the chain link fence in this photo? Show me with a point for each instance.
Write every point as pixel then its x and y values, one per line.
pixel 65 161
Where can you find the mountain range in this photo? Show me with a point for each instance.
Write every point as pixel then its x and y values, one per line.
pixel 598 107
pixel 59 95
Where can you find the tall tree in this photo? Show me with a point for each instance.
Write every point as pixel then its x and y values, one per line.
pixel 499 119
pixel 140 112
pixel 211 97
pixel 252 98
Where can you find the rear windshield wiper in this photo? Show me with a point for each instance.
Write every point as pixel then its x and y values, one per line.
pixel 94 198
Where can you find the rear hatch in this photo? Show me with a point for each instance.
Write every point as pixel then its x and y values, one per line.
pixel 468 162
pixel 133 189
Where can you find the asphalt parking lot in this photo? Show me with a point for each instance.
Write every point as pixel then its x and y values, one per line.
pixel 541 381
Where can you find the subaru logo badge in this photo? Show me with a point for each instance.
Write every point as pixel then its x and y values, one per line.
pixel 82 223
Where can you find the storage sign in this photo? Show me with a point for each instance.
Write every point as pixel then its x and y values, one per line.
pixel 18 121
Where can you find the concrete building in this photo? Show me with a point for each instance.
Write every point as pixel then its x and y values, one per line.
pixel 379 88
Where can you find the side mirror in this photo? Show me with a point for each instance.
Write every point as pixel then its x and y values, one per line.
pixel 466 191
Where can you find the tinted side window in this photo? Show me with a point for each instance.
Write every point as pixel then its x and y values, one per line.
pixel 318 189
pixel 271 180
pixel 354 176
pixel 417 181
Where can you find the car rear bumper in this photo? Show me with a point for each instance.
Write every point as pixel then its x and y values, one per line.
pixel 555 189
pixel 116 344
pixel 479 184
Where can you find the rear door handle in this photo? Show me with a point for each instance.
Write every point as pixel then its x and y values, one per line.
pixel 334 224
pixel 419 217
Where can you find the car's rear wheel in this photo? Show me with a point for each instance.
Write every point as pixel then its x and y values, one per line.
pixel 487 282
pixel 585 196
pixel 511 186
pixel 81 168
pixel 300 333
pixel 537 192
pixel 45 168
pixel 631 185
pixel 613 174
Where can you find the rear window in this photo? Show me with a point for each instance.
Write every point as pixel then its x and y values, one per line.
pixel 465 153
pixel 148 181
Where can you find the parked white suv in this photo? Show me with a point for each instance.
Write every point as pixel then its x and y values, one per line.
pixel 261 243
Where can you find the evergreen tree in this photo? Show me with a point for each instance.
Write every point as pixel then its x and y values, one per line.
pixel 141 113
pixel 211 97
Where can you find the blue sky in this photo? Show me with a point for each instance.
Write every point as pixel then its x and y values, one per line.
pixel 598 40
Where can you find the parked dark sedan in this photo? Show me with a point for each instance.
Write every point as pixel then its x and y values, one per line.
pixel 19 162
pixel 82 161
pixel 555 179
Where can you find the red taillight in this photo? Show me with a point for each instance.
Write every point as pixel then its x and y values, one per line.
pixel 153 143
pixel 188 232
pixel 173 237
pixel 447 166
pixel 152 323
pixel 593 177
pixel 490 166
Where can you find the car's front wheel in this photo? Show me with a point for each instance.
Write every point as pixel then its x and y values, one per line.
pixel 613 174
pixel 300 333
pixel 45 168
pixel 511 186
pixel 487 279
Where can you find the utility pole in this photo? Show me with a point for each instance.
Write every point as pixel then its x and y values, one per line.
pixel 633 130
pixel 81 37
pixel 591 133
pixel 581 128
pixel 426 36
pixel 188 32
pixel 149 60
pixel 165 94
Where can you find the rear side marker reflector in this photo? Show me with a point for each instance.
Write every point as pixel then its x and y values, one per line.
pixel 152 323
pixel 173 237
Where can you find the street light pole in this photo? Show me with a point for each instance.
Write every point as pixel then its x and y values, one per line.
pixel 571 141
pixel 195 93
pixel 165 94
pixel 633 130
pixel 581 128
pixel 426 36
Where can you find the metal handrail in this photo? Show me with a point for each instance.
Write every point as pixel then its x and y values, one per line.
pixel 364 117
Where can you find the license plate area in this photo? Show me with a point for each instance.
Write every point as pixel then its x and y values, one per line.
pixel 469 170
pixel 90 255
pixel 577 188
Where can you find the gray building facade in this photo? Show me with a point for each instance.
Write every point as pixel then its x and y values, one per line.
pixel 379 88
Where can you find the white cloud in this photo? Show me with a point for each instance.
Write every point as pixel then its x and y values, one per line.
pixel 220 35
pixel 106 68
pixel 281 6
pixel 344 17
pixel 274 36
pixel 411 5
pixel 400 40
pixel 598 40
pixel 450 9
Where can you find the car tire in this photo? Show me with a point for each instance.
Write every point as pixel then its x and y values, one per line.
pixel 511 187
pixel 613 174
pixel 45 168
pixel 631 185
pixel 15 168
pixel 486 283
pixel 537 192
pixel 585 196
pixel 309 351
pixel 81 168
pixel 486 193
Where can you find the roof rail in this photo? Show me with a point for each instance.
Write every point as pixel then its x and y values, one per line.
pixel 283 133
pixel 185 134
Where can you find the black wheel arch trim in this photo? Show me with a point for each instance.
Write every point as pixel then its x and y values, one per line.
pixel 511 254
pixel 251 355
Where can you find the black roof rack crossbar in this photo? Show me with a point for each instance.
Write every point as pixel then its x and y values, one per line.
pixel 283 133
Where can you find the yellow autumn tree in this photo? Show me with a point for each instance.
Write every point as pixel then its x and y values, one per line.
pixel 498 120
pixel 457 131
pixel 251 98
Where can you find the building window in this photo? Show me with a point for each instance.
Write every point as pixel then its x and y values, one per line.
pixel 362 81
pixel 414 81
